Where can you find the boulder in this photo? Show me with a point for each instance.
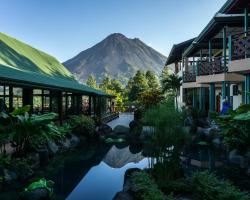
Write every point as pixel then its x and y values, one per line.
pixel 121 130
pixel 104 129
pixel 216 142
pixel 64 144
pixel 123 196
pixel 236 159
pixel 188 121
pixel 74 141
pixel 9 176
pixel 36 194
pixel 52 147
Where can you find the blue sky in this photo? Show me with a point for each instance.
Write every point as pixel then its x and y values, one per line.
pixel 63 28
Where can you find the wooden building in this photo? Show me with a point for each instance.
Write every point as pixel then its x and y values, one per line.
pixel 31 77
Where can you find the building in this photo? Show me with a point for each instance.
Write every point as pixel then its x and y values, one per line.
pixel 215 66
pixel 31 77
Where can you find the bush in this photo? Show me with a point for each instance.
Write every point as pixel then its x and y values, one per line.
pixel 147 188
pixel 82 125
pixel 206 186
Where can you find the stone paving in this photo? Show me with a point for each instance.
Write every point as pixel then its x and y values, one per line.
pixel 124 120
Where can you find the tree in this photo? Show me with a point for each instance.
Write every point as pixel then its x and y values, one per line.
pixel 172 84
pixel 139 84
pixel 91 81
pixel 153 81
pixel 116 86
pixel 164 74
pixel 105 84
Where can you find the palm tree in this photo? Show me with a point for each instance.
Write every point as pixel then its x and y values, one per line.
pixel 172 84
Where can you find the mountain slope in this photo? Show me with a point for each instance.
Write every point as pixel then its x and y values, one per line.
pixel 116 56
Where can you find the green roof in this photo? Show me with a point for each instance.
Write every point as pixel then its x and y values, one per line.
pixel 20 62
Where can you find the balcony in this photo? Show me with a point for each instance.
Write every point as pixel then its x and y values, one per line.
pixel 239 53
pixel 189 77
pixel 216 66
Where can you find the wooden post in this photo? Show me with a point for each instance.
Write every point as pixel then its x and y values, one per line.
pixel 59 101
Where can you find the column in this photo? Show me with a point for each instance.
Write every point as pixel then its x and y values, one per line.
pixel 212 97
pixel 194 97
pixel 247 88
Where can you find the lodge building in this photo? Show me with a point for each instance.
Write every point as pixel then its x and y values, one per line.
pixel 31 77
pixel 215 66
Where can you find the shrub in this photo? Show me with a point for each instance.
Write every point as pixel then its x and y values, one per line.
pixel 147 188
pixel 207 186
pixel 82 125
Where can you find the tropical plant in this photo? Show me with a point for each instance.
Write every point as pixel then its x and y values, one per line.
pixel 207 186
pixel 147 188
pixel 167 137
pixel 172 84
pixel 82 125
pixel 235 129
pixel 41 183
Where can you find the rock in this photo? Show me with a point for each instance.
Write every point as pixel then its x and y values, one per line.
pixel 9 176
pixel 216 142
pixel 123 196
pixel 135 127
pixel 36 194
pixel 104 129
pixel 236 159
pixel 121 130
pixel 188 121
pixel 128 184
pixel 74 141
pixel 52 147
pixel 64 144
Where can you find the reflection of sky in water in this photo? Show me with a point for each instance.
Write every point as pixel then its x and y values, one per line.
pixel 103 182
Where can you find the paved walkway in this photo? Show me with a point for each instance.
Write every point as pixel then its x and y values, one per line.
pixel 124 120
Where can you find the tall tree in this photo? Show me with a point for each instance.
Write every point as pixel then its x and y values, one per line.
pixel 91 81
pixel 153 81
pixel 139 84
pixel 172 84
pixel 105 84
pixel 116 86
pixel 164 74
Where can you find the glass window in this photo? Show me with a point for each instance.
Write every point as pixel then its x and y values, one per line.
pixel 85 104
pixel 17 97
pixel 1 90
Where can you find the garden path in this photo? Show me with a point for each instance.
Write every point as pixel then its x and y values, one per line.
pixel 124 120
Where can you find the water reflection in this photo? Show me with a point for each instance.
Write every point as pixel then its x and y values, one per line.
pixel 96 177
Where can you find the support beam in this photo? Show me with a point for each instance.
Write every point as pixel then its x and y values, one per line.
pixel 223 92
pixel 247 88
pixel 210 50
pixel 225 49
pixel 194 98
pixel 212 97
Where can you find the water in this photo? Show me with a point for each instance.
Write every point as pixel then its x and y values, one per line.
pixel 96 180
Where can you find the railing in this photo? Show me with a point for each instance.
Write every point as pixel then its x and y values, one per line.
pixel 215 66
pixel 189 77
pixel 239 46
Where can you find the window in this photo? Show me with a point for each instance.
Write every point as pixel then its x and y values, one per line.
pixel 41 100
pixel 37 100
pixel 4 98
pixel 17 97
pixel 235 90
pixel 85 104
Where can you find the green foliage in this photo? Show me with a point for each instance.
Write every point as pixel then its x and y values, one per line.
pixel 82 125
pixel 172 84
pixel 111 140
pixel 207 186
pixel 41 183
pixel 91 81
pixel 153 81
pixel 5 160
pixel 168 137
pixel 235 128
pixel 147 188
pixel 139 84
pixel 150 98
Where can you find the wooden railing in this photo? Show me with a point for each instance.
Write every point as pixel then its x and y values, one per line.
pixel 189 77
pixel 239 46
pixel 215 66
